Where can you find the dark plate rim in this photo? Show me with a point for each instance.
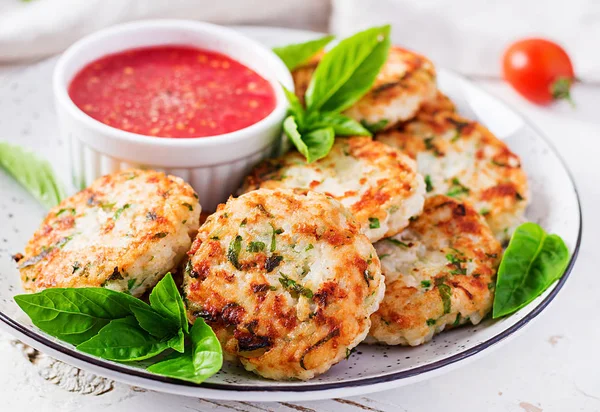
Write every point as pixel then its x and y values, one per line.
pixel 317 387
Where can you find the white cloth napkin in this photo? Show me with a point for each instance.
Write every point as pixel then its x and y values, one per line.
pixel 37 28
pixel 470 36
pixel 466 35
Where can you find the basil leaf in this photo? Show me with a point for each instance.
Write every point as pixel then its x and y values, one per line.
pixel 342 125
pixel 76 315
pixel 290 127
pixel 154 323
pixel 319 143
pixel 348 71
pixel 123 340
pixel 34 174
pixel 199 362
pixel 177 342
pixel 166 300
pixel 178 366
pixel 296 108
pixel 362 80
pixel 294 55
pixel 313 145
pixel 532 261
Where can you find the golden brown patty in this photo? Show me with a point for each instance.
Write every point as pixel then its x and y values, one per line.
pixel 378 184
pixel 124 232
pixel 406 81
pixel 461 158
pixel 286 281
pixel 440 103
pixel 439 273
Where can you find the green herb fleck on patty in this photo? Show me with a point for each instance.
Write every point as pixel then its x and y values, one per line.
pixel 428 185
pixel 107 207
pixel 374 223
pixel 70 210
pixel 396 242
pixel 446 295
pixel 454 260
pixel 430 146
pixel 254 247
pixel 293 286
pixel 121 210
pixel 457 188
pixel 273 247
pixel 233 252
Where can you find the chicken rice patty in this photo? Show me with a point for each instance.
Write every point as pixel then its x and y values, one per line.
pixel 461 158
pixel 440 103
pixel 378 184
pixel 124 232
pixel 406 81
pixel 286 281
pixel 439 273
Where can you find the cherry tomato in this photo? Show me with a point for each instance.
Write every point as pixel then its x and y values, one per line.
pixel 539 69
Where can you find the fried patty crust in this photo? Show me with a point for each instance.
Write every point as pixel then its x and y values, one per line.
pixel 377 183
pixel 124 232
pixel 463 159
pixel 439 274
pixel 286 281
pixel 440 103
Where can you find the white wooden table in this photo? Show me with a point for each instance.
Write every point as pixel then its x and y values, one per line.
pixel 554 365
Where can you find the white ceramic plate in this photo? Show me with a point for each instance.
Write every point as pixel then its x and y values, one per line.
pixel 27 118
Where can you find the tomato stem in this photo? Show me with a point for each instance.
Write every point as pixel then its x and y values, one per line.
pixel 561 89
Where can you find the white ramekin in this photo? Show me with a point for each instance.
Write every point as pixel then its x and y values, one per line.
pixel 215 165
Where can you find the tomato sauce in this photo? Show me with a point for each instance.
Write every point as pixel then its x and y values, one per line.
pixel 172 91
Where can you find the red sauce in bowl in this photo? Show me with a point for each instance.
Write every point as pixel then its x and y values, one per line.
pixel 172 91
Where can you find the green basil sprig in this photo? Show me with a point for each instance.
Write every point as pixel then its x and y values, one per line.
pixel 294 55
pixel 344 75
pixel 203 359
pixel 532 262
pixel 34 174
pixel 118 327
